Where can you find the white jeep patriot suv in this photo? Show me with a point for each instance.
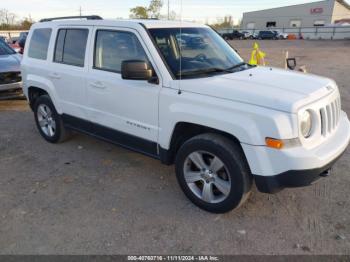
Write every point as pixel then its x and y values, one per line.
pixel 178 92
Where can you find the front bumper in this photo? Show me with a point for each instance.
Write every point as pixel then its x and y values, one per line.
pixel 12 86
pixel 292 178
pixel 295 167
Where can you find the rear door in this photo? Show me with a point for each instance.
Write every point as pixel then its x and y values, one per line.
pixel 69 69
pixel 125 111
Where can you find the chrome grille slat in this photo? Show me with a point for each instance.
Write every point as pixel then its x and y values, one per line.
pixel 323 121
pixel 330 116
pixel 329 119
pixel 336 111
pixel 333 115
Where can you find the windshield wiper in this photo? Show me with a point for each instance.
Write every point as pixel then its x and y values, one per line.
pixel 202 71
pixel 236 66
pixel 210 70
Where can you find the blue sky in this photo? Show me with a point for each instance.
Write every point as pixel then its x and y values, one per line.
pixel 200 10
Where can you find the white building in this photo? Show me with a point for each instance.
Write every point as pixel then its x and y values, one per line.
pixel 305 15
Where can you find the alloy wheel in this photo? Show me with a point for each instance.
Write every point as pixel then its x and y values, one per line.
pixel 207 177
pixel 46 121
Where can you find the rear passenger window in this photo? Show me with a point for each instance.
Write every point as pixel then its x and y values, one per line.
pixel 39 43
pixel 70 46
pixel 114 47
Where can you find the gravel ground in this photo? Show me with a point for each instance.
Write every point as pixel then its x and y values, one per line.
pixel 89 197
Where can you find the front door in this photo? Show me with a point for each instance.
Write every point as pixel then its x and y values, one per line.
pixel 125 111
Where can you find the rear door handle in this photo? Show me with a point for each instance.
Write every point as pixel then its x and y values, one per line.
pixel 98 85
pixel 55 76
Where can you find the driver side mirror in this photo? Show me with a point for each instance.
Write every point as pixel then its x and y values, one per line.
pixel 136 70
pixel 291 63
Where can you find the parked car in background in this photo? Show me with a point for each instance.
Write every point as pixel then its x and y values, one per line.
pixel 267 35
pixel 235 34
pixel 18 43
pixel 280 35
pixel 12 40
pixel 247 35
pixel 255 35
pixel 191 41
pixel 10 71
pixel 22 41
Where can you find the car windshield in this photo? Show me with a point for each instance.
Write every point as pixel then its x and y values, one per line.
pixel 196 52
pixel 5 49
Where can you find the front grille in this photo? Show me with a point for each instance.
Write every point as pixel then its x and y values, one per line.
pixel 10 78
pixel 330 115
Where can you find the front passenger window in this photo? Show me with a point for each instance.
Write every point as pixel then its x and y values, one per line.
pixel 114 47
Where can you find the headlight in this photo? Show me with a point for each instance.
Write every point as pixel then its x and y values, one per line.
pixel 306 124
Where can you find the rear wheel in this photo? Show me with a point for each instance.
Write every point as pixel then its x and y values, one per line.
pixel 48 121
pixel 213 173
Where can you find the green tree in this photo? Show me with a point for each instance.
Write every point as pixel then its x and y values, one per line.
pixel 154 8
pixel 26 23
pixel 143 12
pixel 226 23
pixel 139 12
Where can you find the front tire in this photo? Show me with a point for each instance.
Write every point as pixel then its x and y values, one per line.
pixel 48 121
pixel 213 173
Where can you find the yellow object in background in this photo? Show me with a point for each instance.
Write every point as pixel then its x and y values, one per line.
pixel 257 57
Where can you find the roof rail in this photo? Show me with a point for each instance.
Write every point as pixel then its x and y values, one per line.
pixel 87 17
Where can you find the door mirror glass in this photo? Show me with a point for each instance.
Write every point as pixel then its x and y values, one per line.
pixel 136 70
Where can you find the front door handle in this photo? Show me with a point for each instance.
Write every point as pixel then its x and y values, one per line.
pixel 55 75
pixel 98 85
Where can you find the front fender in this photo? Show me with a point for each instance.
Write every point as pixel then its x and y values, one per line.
pixel 250 124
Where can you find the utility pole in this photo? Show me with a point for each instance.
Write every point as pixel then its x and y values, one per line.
pixel 80 11
pixel 168 9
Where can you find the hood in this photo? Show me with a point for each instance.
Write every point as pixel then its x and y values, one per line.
pixel 273 88
pixel 10 63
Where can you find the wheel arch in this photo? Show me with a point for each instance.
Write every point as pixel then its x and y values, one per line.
pixel 39 85
pixel 33 93
pixel 36 91
pixel 182 132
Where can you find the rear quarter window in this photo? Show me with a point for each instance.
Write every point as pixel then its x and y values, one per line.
pixel 39 43
pixel 71 46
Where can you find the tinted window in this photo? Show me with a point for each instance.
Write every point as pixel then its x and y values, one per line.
pixel 112 48
pixel 59 46
pixel 39 43
pixel 5 49
pixel 71 46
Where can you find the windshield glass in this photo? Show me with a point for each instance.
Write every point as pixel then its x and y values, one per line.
pixel 195 52
pixel 5 49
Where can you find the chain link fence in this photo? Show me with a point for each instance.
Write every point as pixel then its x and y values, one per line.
pixel 324 32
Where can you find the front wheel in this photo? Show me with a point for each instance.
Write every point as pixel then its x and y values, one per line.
pixel 213 173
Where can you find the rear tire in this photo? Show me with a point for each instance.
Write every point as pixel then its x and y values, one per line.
pixel 213 173
pixel 48 121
